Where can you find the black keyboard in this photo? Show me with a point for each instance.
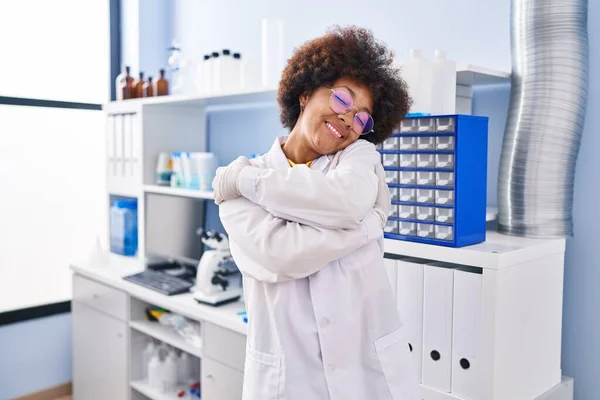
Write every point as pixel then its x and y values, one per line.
pixel 160 282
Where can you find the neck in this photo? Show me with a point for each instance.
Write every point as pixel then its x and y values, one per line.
pixel 297 149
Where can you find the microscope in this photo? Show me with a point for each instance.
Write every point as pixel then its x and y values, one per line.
pixel 215 270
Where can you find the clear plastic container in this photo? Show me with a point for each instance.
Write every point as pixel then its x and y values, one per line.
pixel 395 194
pixel 406 212
pixel 391 226
pixel 443 101
pixel 425 196
pixel 445 161
pixel 425 143
pixel 425 213
pixel 445 143
pixel 391 177
pixel 444 232
pixel 417 73
pixel 390 160
pixel 425 230
pixel 408 160
pixel 407 228
pixel 425 178
pixel 407 143
pixel 444 215
pixel 445 197
pixel 407 195
pixel 390 143
pixel 408 178
pixel 124 227
pixel 425 161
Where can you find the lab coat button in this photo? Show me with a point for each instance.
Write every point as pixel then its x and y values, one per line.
pixel 324 322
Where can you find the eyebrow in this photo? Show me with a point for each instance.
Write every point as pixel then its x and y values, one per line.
pixel 354 95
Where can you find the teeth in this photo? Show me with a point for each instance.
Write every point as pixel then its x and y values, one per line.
pixel 334 130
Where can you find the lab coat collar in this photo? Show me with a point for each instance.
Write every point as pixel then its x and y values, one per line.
pixel 280 160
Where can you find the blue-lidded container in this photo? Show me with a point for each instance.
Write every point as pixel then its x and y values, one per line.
pixel 124 227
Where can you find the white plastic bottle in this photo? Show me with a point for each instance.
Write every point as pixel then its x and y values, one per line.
pixel 206 75
pixel 443 85
pixel 250 75
pixel 236 74
pixel 170 373
pixel 226 71
pixel 155 373
pixel 147 355
pixel 417 73
pixel 175 68
pixel 183 368
pixel 215 68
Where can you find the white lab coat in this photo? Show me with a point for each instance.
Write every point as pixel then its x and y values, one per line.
pixel 322 320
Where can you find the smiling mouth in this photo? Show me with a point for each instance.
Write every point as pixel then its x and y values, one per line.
pixel 334 131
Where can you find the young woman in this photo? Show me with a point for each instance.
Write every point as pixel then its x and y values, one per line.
pixel 305 224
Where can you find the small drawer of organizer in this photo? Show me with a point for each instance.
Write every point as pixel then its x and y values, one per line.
pixel 437 180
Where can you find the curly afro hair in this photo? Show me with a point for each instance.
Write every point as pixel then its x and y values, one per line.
pixel 346 52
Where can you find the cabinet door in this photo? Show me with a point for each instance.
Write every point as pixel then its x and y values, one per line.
pixel 219 382
pixel 99 355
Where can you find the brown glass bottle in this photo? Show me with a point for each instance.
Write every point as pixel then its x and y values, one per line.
pixel 161 87
pixel 149 88
pixel 123 88
pixel 139 86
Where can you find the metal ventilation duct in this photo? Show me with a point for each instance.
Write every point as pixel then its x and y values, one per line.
pixel 545 119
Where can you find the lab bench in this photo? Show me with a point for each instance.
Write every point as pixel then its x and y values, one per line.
pixel 110 332
pixel 515 355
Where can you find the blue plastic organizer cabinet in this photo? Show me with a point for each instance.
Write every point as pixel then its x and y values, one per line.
pixel 436 168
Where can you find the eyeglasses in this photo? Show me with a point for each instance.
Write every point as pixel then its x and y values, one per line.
pixel 341 102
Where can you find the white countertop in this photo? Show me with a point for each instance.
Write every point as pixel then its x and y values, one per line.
pixel 497 252
pixel 112 270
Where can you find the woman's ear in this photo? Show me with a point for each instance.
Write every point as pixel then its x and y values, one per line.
pixel 303 99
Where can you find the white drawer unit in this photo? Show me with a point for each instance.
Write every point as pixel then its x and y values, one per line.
pixel 227 346
pixel 101 297
pixel 220 382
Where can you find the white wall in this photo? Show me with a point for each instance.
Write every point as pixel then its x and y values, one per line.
pixel 472 31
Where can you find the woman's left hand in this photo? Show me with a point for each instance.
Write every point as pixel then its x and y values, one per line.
pixel 225 184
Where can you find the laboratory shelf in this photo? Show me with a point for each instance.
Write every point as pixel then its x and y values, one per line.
pixel 166 335
pixel 227 100
pixel 466 74
pixel 170 191
pixel 472 75
pixel 144 388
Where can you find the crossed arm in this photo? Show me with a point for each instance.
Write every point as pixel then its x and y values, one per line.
pixel 293 222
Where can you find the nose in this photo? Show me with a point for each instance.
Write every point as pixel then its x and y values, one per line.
pixel 347 118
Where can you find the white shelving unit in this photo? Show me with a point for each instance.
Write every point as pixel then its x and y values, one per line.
pixel 144 388
pixel 165 334
pixel 169 191
pixel 520 276
pixel 138 130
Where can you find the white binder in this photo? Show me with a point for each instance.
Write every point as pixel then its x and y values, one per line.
pixel 391 268
pixel 410 306
pixel 466 337
pixel 437 327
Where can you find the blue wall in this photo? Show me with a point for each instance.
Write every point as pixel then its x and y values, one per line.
pixel 35 355
pixel 581 321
